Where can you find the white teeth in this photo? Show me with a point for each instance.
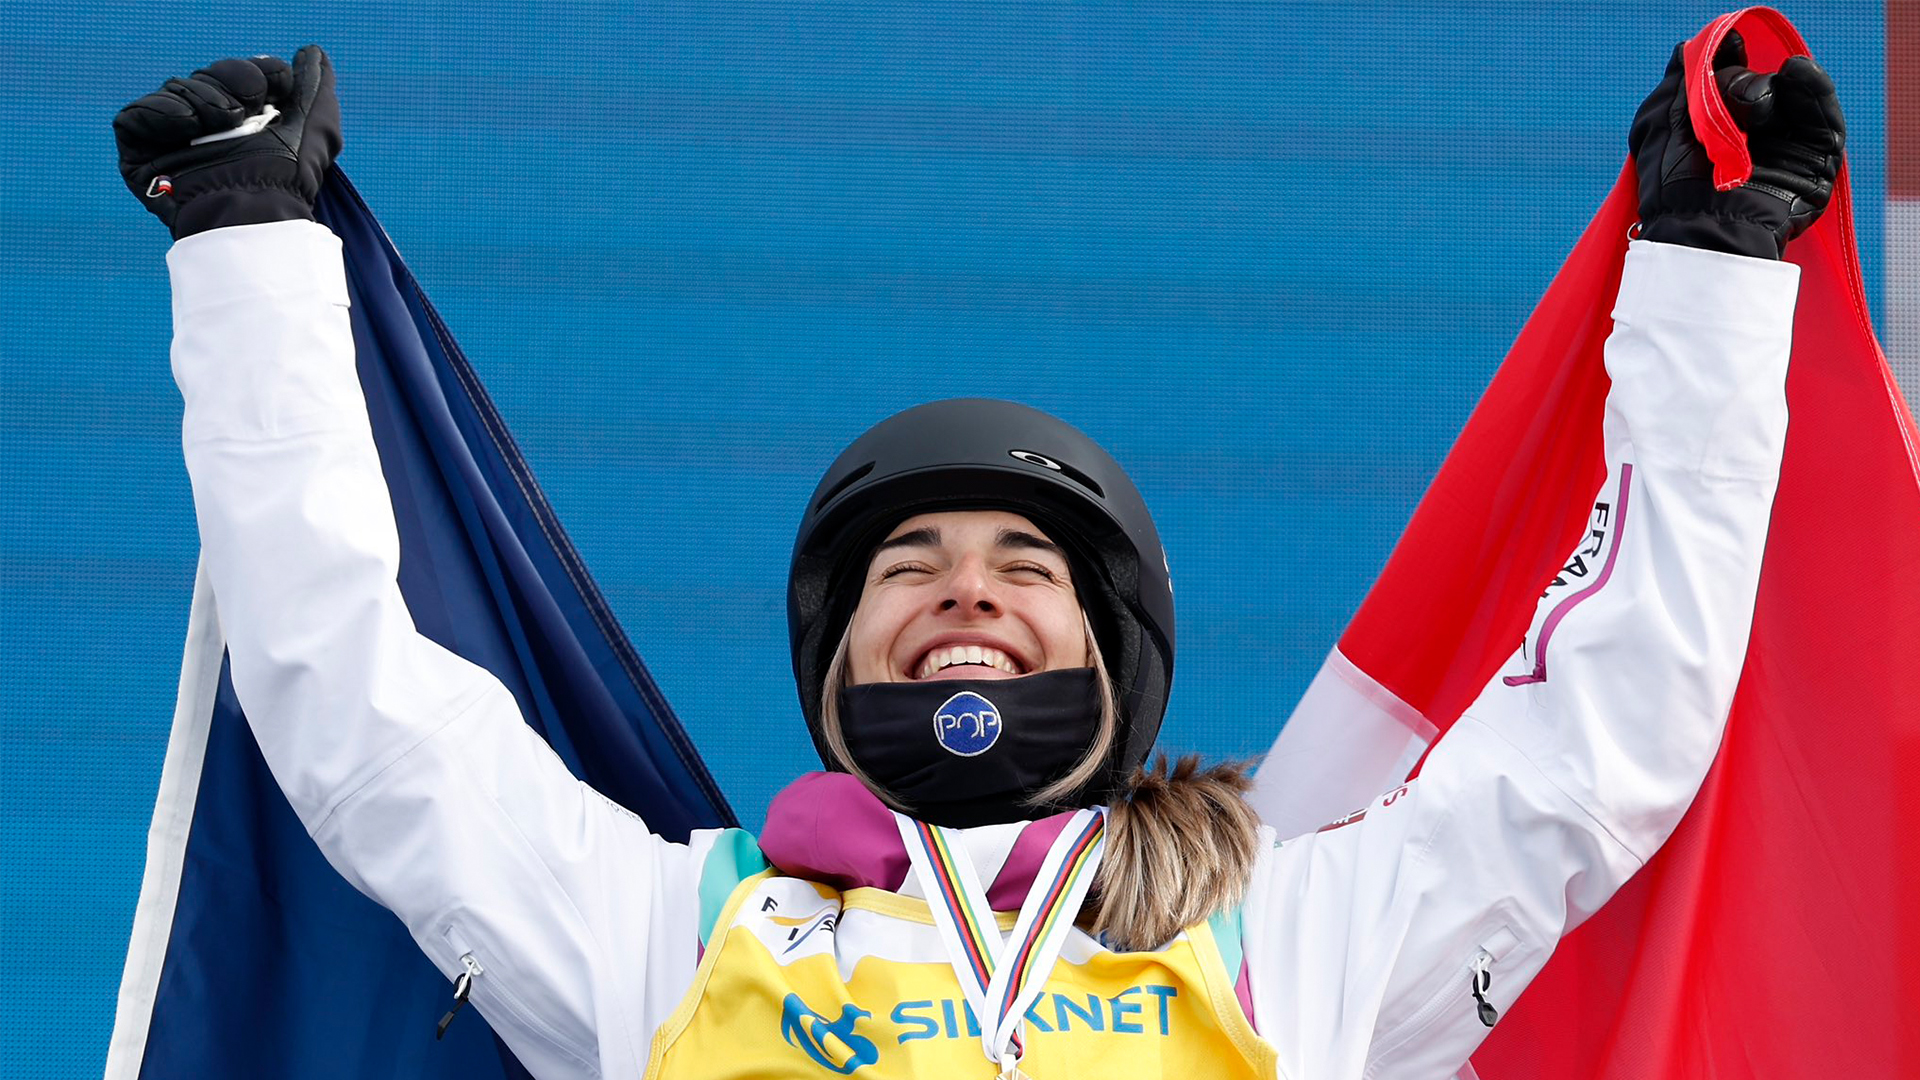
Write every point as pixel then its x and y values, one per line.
pixel 939 659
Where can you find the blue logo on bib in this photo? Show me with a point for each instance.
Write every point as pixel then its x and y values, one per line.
pixel 810 1031
pixel 967 724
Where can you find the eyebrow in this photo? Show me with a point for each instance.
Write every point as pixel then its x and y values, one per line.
pixel 929 536
pixel 1017 538
pixel 924 536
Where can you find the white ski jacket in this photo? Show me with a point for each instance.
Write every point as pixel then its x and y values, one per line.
pixel 414 772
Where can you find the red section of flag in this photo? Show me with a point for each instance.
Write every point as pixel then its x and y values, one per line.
pixel 1778 932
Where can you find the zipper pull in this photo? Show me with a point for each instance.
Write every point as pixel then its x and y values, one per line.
pixel 462 987
pixel 1481 980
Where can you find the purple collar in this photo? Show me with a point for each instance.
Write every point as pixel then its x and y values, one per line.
pixel 827 827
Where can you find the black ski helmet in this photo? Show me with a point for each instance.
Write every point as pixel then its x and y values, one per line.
pixel 977 454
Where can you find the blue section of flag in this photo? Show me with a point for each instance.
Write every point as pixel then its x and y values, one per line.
pixel 275 966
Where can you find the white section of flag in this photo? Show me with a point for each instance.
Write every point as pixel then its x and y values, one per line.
pixel 1900 322
pixel 1349 740
pixel 167 836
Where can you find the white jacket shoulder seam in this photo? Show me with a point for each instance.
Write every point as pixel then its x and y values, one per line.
pixel 479 695
pixel 1581 804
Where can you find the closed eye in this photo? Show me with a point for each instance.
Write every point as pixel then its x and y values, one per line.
pixel 905 568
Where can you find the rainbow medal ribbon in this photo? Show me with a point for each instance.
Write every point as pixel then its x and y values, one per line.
pixel 1002 976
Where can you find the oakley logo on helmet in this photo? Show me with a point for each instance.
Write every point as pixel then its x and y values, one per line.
pixel 1060 467
pixel 967 724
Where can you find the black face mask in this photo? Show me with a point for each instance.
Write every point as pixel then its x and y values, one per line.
pixel 966 752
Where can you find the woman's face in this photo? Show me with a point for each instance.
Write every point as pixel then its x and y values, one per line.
pixel 965 594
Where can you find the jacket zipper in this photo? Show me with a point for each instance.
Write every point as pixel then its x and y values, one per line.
pixel 1480 979
pixel 462 989
pixel 466 983
pixel 1479 971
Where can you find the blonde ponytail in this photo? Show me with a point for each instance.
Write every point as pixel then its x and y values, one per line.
pixel 1180 847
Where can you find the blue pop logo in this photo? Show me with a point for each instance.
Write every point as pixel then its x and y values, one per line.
pixel 967 724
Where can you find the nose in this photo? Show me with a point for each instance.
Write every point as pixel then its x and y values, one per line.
pixel 970 589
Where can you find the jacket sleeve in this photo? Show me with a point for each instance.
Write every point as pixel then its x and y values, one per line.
pixel 1577 761
pixel 411 767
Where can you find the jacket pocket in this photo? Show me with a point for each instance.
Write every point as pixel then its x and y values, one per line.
pixel 1471 989
pixel 491 992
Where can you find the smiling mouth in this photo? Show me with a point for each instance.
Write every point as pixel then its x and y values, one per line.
pixel 965 661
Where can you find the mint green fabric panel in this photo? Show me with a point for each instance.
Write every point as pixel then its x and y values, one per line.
pixel 1226 935
pixel 735 857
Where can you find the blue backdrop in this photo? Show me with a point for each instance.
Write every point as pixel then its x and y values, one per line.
pixel 1269 254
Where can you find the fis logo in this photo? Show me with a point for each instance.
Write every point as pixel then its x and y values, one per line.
pixel 830 1043
pixel 967 724
pixel 800 928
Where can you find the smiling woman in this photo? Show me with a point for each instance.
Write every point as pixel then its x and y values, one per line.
pixel 984 606
pixel 981 621
pixel 987 551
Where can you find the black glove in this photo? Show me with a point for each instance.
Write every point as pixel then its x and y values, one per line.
pixel 1794 132
pixel 272 175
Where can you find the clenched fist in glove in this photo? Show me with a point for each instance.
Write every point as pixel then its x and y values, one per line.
pixel 176 163
pixel 1794 132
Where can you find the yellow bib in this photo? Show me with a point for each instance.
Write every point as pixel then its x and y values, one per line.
pixel 801 980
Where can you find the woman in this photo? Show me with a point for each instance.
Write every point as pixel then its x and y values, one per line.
pixel 982 633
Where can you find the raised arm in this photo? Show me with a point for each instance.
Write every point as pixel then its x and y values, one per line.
pixel 1578 760
pixel 411 767
pixel 1386 944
